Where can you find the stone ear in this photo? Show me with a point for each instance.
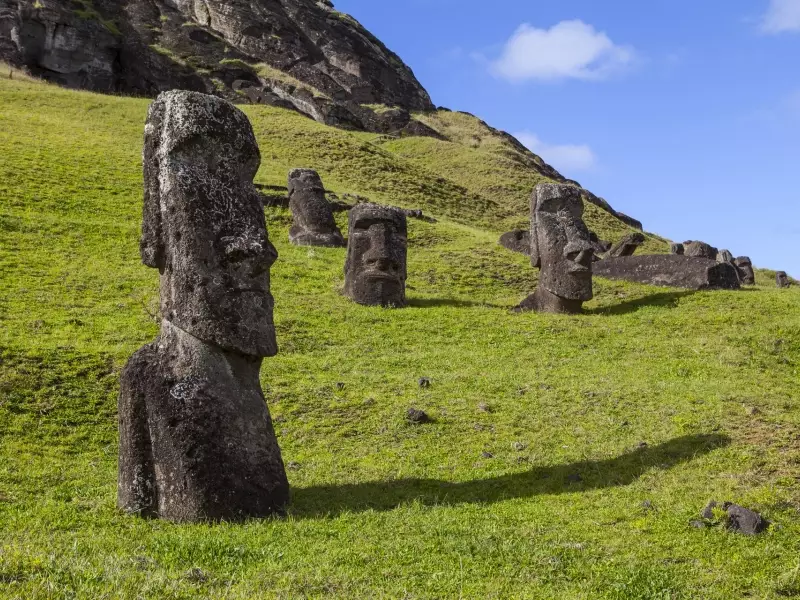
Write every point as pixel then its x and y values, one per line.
pixel 151 246
pixel 536 259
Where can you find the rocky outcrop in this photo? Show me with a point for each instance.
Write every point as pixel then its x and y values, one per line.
pixel 147 46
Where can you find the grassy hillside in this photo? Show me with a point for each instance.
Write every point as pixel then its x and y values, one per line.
pixel 567 457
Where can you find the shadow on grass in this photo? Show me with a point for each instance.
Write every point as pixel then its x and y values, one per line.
pixel 331 500
pixel 663 300
pixel 434 302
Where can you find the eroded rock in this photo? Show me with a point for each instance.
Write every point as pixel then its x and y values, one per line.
pixel 196 439
pixel 670 270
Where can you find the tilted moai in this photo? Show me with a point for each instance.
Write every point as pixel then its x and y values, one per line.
pixel 700 250
pixel 745 267
pixel 677 249
pixel 782 279
pixel 561 248
pixel 196 438
pixel 627 246
pixel 375 270
pixel 313 222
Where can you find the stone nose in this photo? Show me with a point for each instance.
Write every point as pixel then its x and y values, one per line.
pixel 380 246
pixel 579 251
pixel 257 252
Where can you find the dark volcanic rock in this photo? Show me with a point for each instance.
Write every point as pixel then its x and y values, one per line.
pixel 417 417
pixel 782 279
pixel 517 241
pixel 600 246
pixel 627 246
pixel 561 248
pixel 146 46
pixel 196 438
pixel 670 270
pixel 725 256
pixel 745 521
pixel 313 224
pixel 677 249
pixel 375 270
pixel 699 250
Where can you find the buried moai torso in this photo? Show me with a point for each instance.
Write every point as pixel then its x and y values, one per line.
pixel 313 222
pixel 561 248
pixel 196 438
pixel 375 270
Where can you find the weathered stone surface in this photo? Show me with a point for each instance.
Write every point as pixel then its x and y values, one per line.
pixel 561 248
pixel 745 521
pixel 699 250
pixel 517 241
pixel 725 256
pixel 599 246
pixel 196 438
pixel 312 42
pixel 670 270
pixel 375 271
pixel 745 267
pixel 627 246
pixel 313 223
pixel 782 279
pixel 677 249
pixel 417 416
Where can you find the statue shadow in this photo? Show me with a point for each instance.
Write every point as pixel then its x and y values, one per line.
pixel 332 500
pixel 452 302
pixel 662 300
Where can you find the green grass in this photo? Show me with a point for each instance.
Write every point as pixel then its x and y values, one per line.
pixel 382 509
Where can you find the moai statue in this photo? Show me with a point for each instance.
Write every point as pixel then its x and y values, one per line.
pixel 627 246
pixel 518 240
pixel 782 279
pixel 561 248
pixel 375 270
pixel 313 224
pixel 724 256
pixel 196 438
pixel 676 249
pixel 745 267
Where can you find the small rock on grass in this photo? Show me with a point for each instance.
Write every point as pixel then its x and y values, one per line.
pixel 424 382
pixel 737 518
pixel 486 454
pixel 417 417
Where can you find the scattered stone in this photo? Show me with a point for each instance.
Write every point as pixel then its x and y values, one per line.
pixel 518 446
pixel 782 279
pixel 745 267
pixel 647 506
pixel 196 575
pixel 293 466
pixel 670 270
pixel 561 249
pixel 313 222
pixel 676 249
pixel 486 454
pixel 708 512
pixel 417 417
pixel 424 382
pixel 196 439
pixel 641 446
pixel 627 246
pixel 698 524
pixel 745 521
pixel 369 402
pixel 375 270
pixel 340 386
pixel 485 408
pixel 700 250
pixel 517 241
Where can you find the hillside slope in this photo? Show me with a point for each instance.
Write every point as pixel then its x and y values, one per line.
pixel 567 457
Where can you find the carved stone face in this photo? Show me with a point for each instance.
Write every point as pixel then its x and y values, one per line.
pixel 313 224
pixel 745 268
pixel 560 242
pixel 375 271
pixel 782 279
pixel 204 226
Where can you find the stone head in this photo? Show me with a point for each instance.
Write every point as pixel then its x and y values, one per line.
pixel 204 227
pixel 745 267
pixel 782 279
pixel 375 270
pixel 560 243
pixel 313 222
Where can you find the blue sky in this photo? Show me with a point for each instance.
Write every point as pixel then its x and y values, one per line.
pixel 682 113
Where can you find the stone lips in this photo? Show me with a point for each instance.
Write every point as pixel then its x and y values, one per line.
pixel 376 265
pixel 670 270
pixel 313 223
pixel 196 438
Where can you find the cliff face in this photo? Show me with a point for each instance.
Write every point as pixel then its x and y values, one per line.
pixel 147 46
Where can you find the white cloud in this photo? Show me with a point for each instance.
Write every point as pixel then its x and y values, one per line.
pixel 570 49
pixel 782 16
pixel 564 157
